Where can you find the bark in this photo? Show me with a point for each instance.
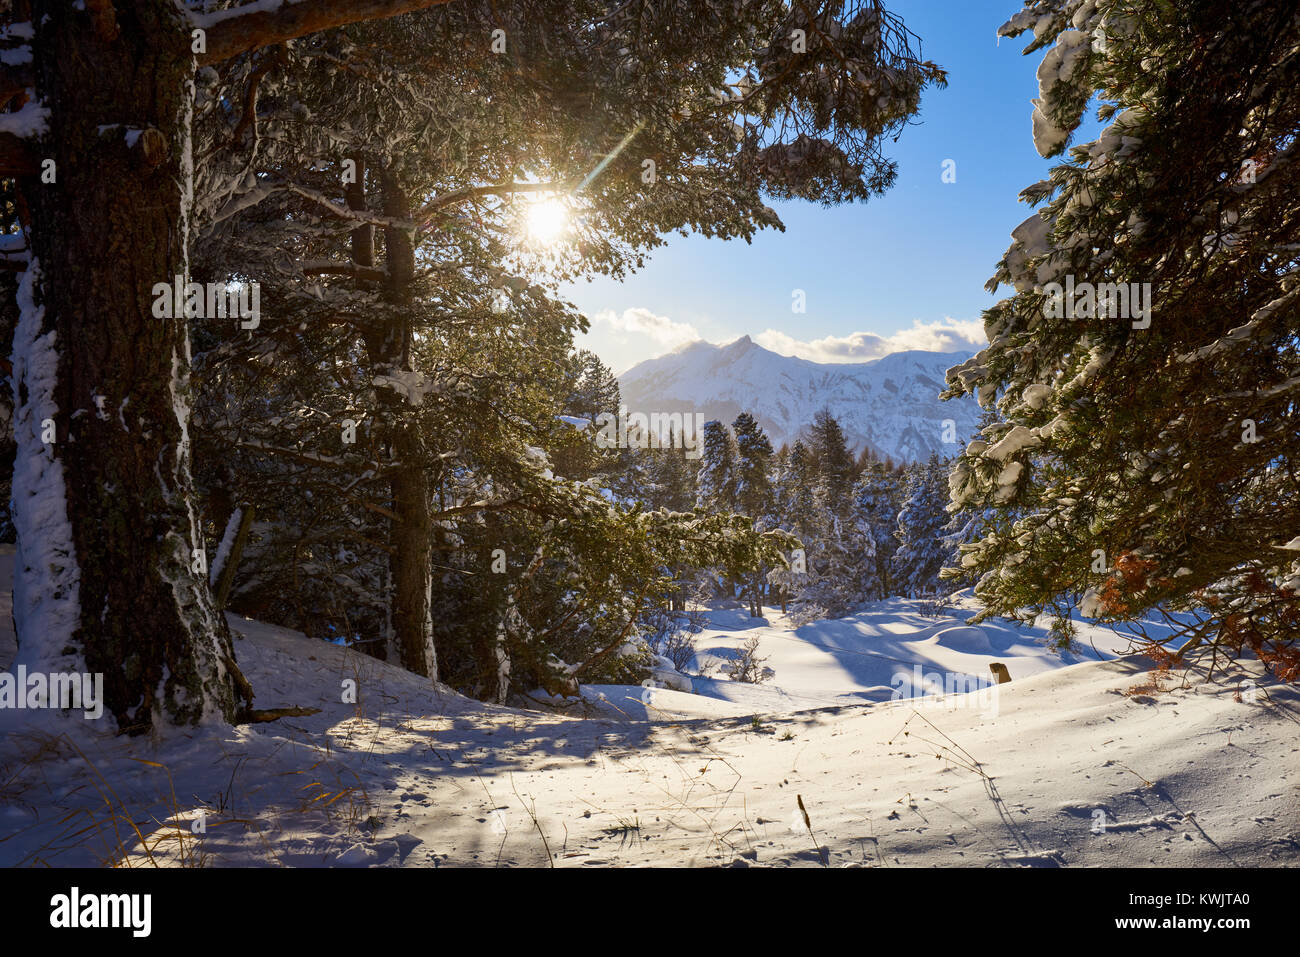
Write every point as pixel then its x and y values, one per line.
pixel 131 603
pixel 363 268
pixel 15 157
pixel 411 533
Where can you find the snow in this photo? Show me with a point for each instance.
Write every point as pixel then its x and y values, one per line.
pixel 227 543
pixel 209 20
pixel 1057 68
pixel 1036 395
pixel 1048 137
pixel 858 658
pixel 1014 441
pixel 1008 479
pixel 1091 605
pixel 18 31
pixel 415 775
pixel 890 404
pixel 46 602
pixel 412 386
pixel 30 121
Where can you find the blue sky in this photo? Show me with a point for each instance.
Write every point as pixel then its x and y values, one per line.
pixel 871 272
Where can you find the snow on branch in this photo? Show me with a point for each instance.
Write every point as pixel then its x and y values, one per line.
pixel 326 267
pixel 344 212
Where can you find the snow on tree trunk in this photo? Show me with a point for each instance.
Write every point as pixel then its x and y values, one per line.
pixel 47 578
pixel 227 543
pixel 107 578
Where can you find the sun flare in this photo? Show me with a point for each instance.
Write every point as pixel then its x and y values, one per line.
pixel 547 221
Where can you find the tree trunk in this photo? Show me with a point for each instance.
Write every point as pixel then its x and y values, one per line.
pixel 411 535
pixel 363 255
pixel 106 578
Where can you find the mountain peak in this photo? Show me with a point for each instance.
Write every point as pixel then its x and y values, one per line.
pixel 890 406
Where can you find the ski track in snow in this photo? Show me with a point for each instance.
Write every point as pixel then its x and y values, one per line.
pixel 1064 769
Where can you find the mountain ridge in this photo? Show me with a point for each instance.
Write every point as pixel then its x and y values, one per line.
pixel 890 405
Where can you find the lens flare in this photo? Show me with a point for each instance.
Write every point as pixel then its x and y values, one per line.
pixel 547 221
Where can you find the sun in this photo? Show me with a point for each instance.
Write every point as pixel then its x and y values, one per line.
pixel 547 221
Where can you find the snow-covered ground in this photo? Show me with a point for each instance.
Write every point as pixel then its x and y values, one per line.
pixel 892 650
pixel 1070 763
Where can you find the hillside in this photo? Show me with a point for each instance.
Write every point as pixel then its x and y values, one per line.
pixel 1069 764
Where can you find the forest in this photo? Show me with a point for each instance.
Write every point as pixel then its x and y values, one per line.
pixel 293 373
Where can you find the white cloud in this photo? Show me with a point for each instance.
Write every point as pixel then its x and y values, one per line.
pixel 642 322
pixel 945 335
pixel 634 335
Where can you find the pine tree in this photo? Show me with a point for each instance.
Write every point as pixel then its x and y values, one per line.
pixel 799 515
pixel 671 476
pixel 117 583
pixel 921 552
pixel 877 499
pixel 1150 449
pixel 595 389
pixel 752 469
pixel 753 489
pixel 835 464
pixel 717 480
pixel 833 554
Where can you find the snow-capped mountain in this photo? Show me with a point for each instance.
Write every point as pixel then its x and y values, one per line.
pixel 890 405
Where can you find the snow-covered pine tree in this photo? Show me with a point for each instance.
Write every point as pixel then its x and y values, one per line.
pixel 1150 439
pixel 796 492
pixel 922 552
pixel 592 390
pixel 753 462
pixel 836 468
pixel 596 389
pixel 836 555
pixel 877 498
pixel 716 480
pixel 671 475
pixel 966 525
pixel 753 489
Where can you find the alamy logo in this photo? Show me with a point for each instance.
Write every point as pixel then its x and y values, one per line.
pixel 930 689
pixel 75 909
pixel 61 690
pixel 1105 300
pixel 657 430
pixel 212 300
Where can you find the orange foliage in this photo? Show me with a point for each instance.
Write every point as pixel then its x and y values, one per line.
pixel 1133 574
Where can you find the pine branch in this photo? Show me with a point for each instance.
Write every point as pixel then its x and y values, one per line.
pixel 355 271
pixel 240 29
